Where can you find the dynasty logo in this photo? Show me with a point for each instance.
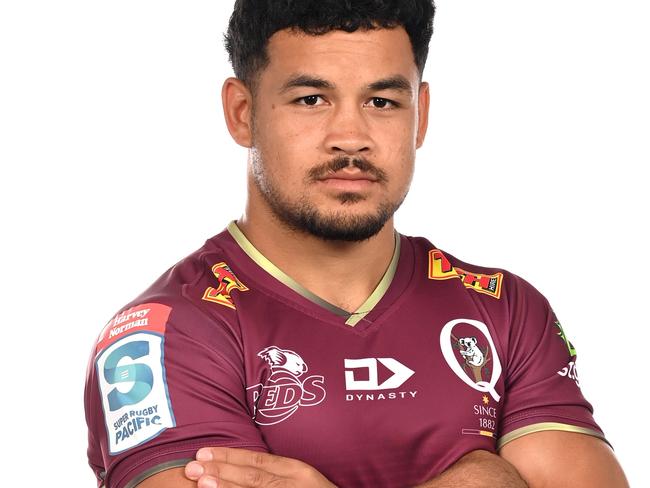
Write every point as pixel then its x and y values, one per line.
pixel 227 283
pixel 440 268
pixel 286 389
pixel 363 375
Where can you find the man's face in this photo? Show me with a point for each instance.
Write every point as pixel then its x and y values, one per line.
pixel 336 122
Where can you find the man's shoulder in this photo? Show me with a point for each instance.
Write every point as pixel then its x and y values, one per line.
pixel 493 281
pixel 182 288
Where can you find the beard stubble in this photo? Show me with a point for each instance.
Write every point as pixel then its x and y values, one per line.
pixel 303 216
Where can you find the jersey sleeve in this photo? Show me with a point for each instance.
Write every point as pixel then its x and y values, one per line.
pixel 164 380
pixel 542 389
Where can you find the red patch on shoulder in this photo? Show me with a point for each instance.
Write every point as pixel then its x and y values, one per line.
pixel 147 316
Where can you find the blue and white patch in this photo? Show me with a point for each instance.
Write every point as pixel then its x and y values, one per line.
pixel 133 388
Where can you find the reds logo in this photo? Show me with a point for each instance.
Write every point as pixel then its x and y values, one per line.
pixel 284 391
pixel 440 268
pixel 227 282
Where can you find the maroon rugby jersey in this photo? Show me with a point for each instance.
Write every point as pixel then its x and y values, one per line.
pixel 226 350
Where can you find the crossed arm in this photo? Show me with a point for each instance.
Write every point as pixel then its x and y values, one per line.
pixel 540 460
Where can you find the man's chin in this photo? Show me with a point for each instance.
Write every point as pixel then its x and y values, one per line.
pixel 350 198
pixel 340 226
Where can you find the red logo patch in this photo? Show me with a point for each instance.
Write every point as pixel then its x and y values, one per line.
pixel 227 283
pixel 440 268
pixel 148 316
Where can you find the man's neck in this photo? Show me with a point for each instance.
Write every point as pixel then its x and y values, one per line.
pixel 341 273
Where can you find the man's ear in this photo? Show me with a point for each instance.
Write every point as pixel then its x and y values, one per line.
pixel 423 113
pixel 238 110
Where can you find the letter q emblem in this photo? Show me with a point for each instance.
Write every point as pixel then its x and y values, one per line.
pixel 452 361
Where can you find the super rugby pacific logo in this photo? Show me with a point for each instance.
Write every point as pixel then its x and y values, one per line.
pixel 286 389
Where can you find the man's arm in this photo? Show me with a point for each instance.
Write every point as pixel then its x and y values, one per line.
pixel 243 468
pixel 478 469
pixel 547 459
pixel 170 478
pixel 539 460
pixel 227 467
pixel 556 458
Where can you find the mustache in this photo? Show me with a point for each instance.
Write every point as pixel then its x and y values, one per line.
pixel 340 162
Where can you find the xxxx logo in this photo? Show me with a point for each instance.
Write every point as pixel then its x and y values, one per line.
pixel 440 268
pixel 286 389
pixel 227 283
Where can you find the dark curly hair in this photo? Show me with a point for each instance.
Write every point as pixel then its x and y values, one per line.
pixel 253 22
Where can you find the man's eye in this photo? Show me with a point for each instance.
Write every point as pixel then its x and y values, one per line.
pixel 378 102
pixel 310 100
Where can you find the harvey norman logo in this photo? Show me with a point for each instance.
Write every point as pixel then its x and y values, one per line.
pixel 363 375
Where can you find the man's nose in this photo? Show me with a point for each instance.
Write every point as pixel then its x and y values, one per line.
pixel 348 131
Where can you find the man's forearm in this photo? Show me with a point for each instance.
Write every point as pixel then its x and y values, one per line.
pixel 478 469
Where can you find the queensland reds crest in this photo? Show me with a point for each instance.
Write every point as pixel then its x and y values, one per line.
pixel 227 283
pixel 469 350
pixel 286 389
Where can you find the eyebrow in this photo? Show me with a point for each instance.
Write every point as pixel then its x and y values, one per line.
pixel 396 82
pixel 302 80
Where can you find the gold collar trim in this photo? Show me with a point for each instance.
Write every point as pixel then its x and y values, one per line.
pixel 352 318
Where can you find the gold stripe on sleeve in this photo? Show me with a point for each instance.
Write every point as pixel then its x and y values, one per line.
pixel 176 463
pixel 545 426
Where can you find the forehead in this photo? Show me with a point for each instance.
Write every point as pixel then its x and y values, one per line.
pixel 362 54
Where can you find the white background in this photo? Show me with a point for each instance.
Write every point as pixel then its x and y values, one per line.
pixel 115 163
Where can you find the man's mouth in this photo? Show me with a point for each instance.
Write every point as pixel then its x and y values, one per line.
pixel 346 175
pixel 348 171
pixel 349 181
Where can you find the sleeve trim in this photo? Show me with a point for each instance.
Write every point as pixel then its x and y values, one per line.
pixel 545 426
pixel 176 463
pixel 180 452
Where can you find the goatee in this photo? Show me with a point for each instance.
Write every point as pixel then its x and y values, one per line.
pixel 303 216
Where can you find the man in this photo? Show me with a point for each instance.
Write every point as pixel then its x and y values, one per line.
pixel 309 328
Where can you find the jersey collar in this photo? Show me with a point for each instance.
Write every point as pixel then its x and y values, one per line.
pixel 353 318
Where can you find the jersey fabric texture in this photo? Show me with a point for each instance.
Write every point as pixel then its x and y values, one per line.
pixel 225 349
